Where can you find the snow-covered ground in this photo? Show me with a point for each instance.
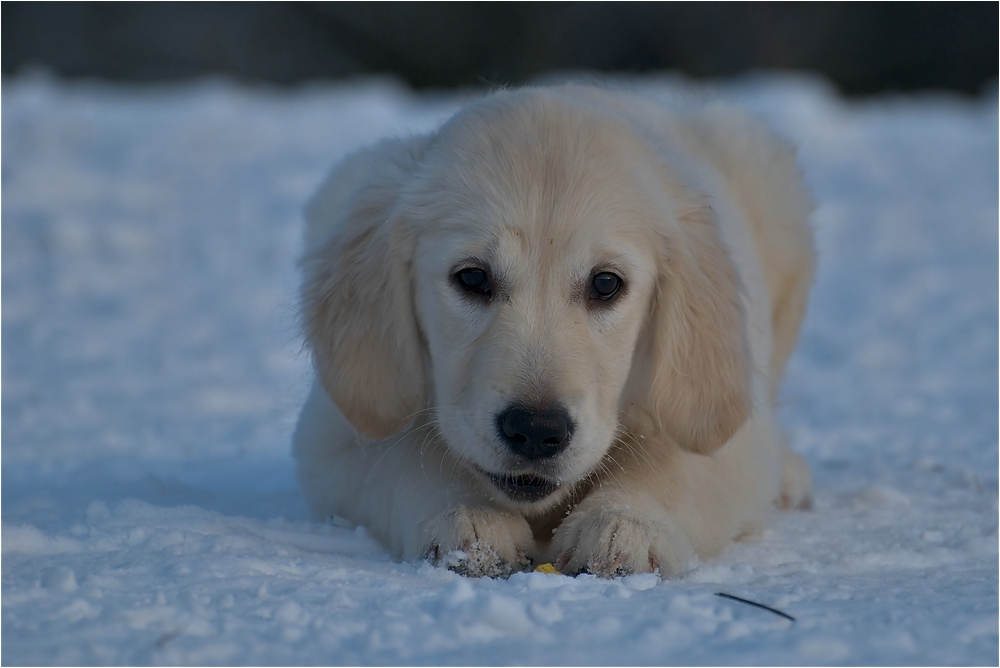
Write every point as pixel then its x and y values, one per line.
pixel 152 372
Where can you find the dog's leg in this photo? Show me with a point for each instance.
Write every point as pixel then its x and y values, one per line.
pixel 476 541
pixel 618 531
pixel 409 492
pixel 658 508
pixel 796 482
pixel 430 509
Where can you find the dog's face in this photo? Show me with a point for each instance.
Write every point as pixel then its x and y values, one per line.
pixel 533 288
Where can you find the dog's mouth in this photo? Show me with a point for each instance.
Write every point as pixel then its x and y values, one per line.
pixel 526 487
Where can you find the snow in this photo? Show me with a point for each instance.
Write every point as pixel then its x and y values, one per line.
pixel 152 371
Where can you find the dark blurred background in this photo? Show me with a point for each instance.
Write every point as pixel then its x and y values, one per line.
pixel 862 47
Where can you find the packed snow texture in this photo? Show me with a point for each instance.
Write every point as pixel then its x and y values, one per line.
pixel 152 370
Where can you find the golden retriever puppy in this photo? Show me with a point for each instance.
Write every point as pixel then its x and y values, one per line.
pixel 553 330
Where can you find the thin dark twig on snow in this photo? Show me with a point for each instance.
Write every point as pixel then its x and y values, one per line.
pixel 757 605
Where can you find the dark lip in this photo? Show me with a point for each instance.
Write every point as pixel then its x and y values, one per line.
pixel 525 487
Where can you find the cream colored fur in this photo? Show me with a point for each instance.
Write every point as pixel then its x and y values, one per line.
pixel 674 451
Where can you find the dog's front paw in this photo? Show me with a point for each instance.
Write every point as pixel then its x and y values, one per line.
pixel 796 482
pixel 613 539
pixel 478 542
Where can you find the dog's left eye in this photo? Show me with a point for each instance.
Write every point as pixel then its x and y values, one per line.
pixel 474 280
pixel 605 285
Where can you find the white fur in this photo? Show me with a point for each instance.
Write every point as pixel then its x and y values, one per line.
pixel 674 453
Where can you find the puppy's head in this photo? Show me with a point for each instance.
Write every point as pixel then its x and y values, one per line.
pixel 531 274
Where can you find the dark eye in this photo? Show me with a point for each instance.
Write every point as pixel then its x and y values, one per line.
pixel 474 280
pixel 605 285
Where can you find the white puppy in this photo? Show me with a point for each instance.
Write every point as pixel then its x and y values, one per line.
pixel 553 330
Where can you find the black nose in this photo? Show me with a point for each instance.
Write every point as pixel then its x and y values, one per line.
pixel 535 434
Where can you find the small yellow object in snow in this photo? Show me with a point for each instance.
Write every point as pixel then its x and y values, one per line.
pixel 547 568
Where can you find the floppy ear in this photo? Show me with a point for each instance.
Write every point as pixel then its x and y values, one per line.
pixel 699 380
pixel 356 299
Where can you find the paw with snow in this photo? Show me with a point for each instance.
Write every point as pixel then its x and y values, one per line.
pixel 478 542
pixel 796 482
pixel 614 538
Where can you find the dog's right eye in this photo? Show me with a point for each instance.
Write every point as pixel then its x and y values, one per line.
pixel 474 280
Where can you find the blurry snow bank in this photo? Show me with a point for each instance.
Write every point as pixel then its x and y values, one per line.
pixel 152 372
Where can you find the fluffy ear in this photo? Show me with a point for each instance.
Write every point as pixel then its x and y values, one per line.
pixel 356 299
pixel 699 381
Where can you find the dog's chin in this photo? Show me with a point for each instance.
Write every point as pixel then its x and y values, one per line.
pixel 523 489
